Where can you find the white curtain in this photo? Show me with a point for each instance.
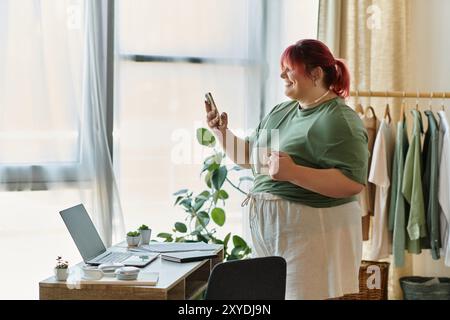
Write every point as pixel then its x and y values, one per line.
pixel 95 144
pixel 53 105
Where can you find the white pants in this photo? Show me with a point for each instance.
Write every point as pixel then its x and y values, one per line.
pixel 322 246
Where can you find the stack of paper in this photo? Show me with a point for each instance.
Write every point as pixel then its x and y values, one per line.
pixel 176 247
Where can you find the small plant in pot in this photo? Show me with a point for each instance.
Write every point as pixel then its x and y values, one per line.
pixel 145 234
pixel 61 269
pixel 133 238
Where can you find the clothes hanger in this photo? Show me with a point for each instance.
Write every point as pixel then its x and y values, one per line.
pixel 387 113
pixel 430 105
pixel 359 108
pixel 418 111
pixel 402 107
pixel 443 100
pixel 417 100
pixel 370 108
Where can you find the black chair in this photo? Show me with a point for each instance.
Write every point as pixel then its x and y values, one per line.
pixel 249 279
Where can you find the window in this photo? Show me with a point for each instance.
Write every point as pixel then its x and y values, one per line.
pixel 169 54
pixel 41 63
pixel 40 88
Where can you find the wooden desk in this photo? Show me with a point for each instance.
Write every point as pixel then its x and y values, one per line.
pixel 177 281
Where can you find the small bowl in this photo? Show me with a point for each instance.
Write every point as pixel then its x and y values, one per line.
pixel 127 273
pixel 109 269
pixel 91 273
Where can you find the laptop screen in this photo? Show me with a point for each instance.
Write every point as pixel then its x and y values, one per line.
pixel 83 232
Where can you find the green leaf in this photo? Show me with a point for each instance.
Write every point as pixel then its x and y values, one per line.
pixel 187 203
pixel 202 238
pixel 222 194
pixel 205 137
pixel 213 167
pixel 180 227
pixel 236 251
pixel 239 242
pixel 218 177
pixel 182 191
pixel 226 239
pixel 208 179
pixel 179 239
pixel 218 216
pixel 245 178
pixel 232 257
pixel 178 200
pixel 198 204
pixel 202 219
pixel 204 195
pixel 210 164
pixel 200 200
pixel 164 235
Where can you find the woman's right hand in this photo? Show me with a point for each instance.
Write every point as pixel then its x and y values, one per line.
pixel 213 120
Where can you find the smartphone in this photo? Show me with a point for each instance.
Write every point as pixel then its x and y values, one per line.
pixel 209 98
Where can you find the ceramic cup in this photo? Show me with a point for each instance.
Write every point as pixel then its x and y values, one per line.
pixel 260 160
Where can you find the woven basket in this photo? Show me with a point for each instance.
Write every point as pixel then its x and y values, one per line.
pixel 366 293
pixel 415 288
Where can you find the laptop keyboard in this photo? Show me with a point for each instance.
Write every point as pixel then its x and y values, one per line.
pixel 114 257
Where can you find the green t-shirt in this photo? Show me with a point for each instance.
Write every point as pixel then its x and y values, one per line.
pixel 330 135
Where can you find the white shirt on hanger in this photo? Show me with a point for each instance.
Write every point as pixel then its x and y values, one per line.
pixel 444 185
pixel 380 174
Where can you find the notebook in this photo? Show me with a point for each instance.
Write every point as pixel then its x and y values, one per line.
pixel 177 247
pixel 188 256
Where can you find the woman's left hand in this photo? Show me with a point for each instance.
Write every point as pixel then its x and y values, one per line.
pixel 281 166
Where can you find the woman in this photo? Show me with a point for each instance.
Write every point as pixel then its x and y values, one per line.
pixel 305 209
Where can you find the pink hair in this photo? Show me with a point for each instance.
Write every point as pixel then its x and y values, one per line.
pixel 309 54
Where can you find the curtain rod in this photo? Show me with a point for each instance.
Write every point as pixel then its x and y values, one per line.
pixel 400 94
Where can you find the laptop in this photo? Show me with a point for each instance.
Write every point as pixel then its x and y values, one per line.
pixel 91 246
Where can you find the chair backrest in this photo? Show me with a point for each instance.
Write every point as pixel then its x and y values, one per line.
pixel 249 279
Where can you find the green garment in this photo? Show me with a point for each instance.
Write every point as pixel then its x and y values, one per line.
pixel 430 186
pixel 412 187
pixel 330 135
pixel 398 206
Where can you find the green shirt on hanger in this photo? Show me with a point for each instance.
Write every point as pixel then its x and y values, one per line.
pixel 398 206
pixel 330 135
pixel 412 187
pixel 430 186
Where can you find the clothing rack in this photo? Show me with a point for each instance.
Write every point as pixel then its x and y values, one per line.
pixel 400 94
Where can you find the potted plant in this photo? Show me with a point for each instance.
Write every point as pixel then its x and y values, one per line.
pixel 145 234
pixel 133 238
pixel 205 211
pixel 61 269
